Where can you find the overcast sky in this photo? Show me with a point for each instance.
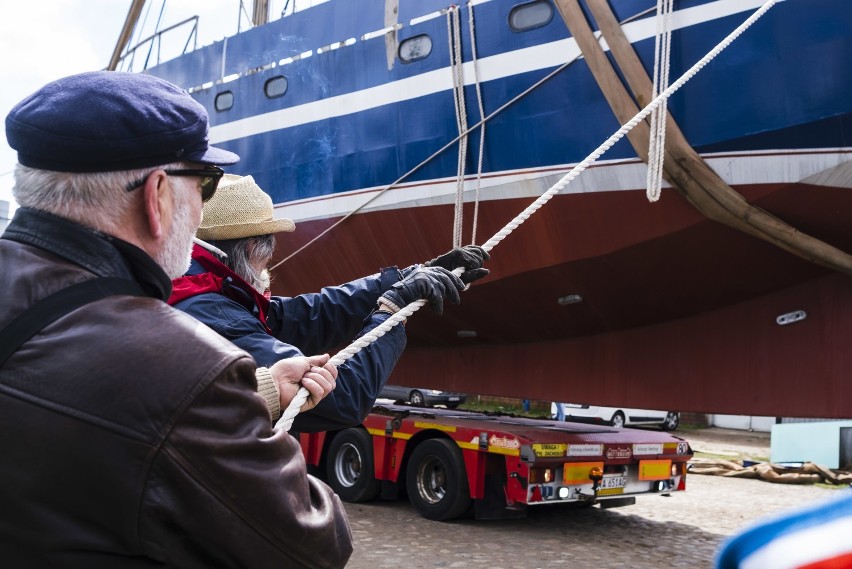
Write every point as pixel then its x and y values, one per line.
pixel 44 41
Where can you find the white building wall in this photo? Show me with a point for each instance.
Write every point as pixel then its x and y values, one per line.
pixel 741 422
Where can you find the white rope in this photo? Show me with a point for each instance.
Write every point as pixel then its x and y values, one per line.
pixel 475 63
pixel 662 63
pixel 292 410
pixel 456 65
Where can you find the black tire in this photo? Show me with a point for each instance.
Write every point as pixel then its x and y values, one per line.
pixel 416 398
pixel 349 466
pixel 672 421
pixel 617 420
pixel 436 480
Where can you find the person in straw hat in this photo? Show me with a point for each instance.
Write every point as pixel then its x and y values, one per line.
pixel 226 284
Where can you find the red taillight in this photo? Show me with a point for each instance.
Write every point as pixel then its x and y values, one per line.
pixel 541 475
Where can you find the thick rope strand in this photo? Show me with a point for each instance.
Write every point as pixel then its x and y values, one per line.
pixel 481 105
pixel 457 65
pixel 662 60
pixel 286 420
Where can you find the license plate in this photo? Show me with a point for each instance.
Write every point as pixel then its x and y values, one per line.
pixel 452 398
pixel 613 482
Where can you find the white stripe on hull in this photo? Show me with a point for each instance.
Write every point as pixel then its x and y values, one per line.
pixel 534 58
pixel 825 167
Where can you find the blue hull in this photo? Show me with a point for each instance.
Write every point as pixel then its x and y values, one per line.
pixel 783 85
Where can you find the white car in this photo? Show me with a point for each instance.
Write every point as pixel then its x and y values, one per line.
pixel 618 416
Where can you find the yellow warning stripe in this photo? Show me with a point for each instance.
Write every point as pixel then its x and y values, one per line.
pixel 447 428
pixel 395 434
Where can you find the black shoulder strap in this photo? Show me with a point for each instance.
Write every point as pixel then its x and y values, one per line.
pixel 52 308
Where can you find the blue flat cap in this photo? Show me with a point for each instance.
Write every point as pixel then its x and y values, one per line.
pixel 103 121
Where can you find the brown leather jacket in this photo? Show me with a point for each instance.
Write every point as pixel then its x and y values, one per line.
pixel 131 435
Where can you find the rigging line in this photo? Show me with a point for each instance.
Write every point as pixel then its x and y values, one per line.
pixel 156 28
pixel 441 150
pixel 286 420
pixel 137 31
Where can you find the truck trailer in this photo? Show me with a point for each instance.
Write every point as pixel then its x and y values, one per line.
pixel 449 462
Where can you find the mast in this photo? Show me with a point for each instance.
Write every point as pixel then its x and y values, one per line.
pixel 129 23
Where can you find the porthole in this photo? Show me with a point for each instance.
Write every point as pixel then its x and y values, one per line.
pixel 415 48
pixel 275 87
pixel 224 101
pixel 530 15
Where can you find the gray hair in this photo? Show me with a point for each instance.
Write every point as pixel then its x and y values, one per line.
pixel 246 252
pixel 95 199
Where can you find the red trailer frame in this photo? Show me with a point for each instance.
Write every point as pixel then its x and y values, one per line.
pixel 448 461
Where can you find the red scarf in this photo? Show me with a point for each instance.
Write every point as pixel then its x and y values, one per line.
pixel 188 286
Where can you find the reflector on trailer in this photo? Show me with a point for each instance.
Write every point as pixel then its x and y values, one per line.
pixel 578 472
pixel 655 469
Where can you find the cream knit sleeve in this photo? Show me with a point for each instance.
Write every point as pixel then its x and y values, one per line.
pixel 267 389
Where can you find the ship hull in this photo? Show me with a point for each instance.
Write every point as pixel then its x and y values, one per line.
pixel 677 311
pixel 600 296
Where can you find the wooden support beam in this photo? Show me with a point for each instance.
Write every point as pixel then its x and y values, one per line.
pixel 684 168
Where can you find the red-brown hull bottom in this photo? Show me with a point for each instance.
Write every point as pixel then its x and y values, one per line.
pixel 678 312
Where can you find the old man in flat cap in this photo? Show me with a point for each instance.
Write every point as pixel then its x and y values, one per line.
pixel 131 435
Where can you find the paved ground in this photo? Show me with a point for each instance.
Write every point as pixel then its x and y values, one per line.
pixel 684 530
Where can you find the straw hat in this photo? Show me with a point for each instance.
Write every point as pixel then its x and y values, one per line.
pixel 238 209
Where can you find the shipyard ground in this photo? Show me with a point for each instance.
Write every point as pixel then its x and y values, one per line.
pixel 684 530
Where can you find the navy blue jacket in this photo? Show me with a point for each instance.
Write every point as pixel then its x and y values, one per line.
pixel 312 324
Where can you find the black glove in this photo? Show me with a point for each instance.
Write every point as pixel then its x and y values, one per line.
pixel 471 257
pixel 430 283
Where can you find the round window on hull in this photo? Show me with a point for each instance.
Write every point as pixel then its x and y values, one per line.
pixel 224 101
pixel 415 48
pixel 275 87
pixel 530 15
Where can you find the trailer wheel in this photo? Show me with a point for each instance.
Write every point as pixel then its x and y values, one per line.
pixel 436 480
pixel 349 466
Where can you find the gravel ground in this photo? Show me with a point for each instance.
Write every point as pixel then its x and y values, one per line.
pixel 684 530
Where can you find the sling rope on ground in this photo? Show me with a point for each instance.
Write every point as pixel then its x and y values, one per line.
pixel 286 420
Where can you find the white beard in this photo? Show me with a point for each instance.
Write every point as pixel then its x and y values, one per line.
pixel 261 281
pixel 176 254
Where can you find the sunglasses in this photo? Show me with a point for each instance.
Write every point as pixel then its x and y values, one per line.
pixel 210 176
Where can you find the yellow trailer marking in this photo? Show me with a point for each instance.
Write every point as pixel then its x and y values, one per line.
pixel 655 469
pixel 549 449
